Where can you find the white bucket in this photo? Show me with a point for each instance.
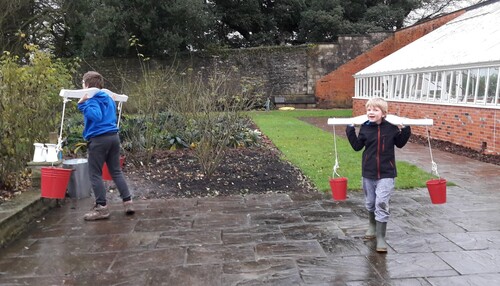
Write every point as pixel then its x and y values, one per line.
pixel 40 153
pixel 51 153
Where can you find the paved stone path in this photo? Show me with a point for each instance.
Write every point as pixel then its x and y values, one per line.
pixel 274 239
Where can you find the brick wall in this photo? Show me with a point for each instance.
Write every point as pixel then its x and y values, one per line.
pixel 337 88
pixel 472 127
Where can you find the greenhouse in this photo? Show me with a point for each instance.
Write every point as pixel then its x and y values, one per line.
pixel 457 64
pixel 449 75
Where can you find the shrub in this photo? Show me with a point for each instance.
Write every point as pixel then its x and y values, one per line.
pixel 178 109
pixel 30 107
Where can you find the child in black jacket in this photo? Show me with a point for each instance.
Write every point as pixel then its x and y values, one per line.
pixel 378 137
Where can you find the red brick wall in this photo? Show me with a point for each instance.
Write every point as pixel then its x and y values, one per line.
pixel 467 126
pixel 337 88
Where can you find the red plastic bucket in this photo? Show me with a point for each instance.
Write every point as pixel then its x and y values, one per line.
pixel 339 188
pixel 54 182
pixel 437 190
pixel 105 172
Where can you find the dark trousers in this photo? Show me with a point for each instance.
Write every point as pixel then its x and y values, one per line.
pixel 105 148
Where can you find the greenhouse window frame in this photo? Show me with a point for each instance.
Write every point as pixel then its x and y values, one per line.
pixel 463 85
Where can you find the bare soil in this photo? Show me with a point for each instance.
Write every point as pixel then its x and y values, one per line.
pixel 255 170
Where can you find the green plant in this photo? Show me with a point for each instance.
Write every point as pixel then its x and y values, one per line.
pixel 73 130
pixel 30 107
pixel 176 142
pixel 132 132
pixel 176 108
pixel 217 107
pixel 243 135
pixel 80 149
pixel 148 102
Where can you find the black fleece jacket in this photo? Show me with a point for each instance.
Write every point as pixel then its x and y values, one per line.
pixel 379 140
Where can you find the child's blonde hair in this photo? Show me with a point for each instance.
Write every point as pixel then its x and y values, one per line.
pixel 378 103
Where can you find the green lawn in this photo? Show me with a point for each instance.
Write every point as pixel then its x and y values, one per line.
pixel 312 150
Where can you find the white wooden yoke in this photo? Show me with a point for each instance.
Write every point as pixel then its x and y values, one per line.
pixel 79 93
pixel 393 119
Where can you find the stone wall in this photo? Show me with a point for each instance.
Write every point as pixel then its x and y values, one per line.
pixel 472 127
pixel 288 74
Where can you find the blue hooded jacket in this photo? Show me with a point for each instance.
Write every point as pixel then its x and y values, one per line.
pixel 99 114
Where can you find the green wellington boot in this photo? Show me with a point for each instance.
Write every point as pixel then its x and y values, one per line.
pixel 370 233
pixel 380 230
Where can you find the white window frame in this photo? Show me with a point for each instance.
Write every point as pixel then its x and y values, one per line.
pixel 398 86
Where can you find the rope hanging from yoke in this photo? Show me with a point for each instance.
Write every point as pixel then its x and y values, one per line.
pixel 120 106
pixel 59 139
pixel 434 165
pixel 336 166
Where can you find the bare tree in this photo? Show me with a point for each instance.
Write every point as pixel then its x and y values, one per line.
pixel 432 8
pixel 29 21
pixel 12 19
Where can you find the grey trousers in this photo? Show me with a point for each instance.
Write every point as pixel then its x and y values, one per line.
pixel 105 148
pixel 377 196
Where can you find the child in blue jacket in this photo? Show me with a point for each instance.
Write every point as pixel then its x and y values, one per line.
pixel 378 137
pixel 103 145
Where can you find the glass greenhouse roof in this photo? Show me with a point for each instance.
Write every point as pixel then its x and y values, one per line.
pixel 472 39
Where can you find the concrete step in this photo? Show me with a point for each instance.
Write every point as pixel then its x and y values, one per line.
pixel 17 214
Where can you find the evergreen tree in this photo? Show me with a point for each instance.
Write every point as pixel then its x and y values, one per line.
pixel 166 27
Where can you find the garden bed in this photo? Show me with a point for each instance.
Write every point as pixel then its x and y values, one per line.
pixel 254 170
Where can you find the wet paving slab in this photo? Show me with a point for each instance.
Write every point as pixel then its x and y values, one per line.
pixel 271 239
